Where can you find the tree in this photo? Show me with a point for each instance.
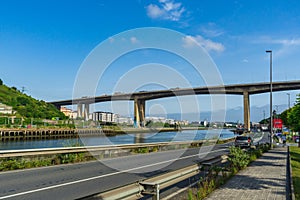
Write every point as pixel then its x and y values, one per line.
pixel 1 82
pixel 23 100
pixel 294 117
pixel 284 116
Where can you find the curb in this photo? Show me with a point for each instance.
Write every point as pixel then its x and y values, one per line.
pixel 290 185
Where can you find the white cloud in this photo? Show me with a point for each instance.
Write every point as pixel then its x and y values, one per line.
pixel 189 41
pixel 211 30
pixel 209 45
pixel 245 60
pixel 285 42
pixel 288 42
pixel 111 40
pixel 134 40
pixel 284 46
pixel 166 10
pixel 154 12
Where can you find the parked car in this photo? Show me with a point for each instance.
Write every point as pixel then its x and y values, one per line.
pixel 296 138
pixel 243 141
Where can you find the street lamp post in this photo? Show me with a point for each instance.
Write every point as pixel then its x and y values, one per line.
pixel 276 112
pixel 271 102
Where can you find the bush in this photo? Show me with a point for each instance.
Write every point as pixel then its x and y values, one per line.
pixel 19 163
pixel 238 158
pixel 141 150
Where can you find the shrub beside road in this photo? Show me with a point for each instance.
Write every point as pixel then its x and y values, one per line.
pixel 218 175
pixel 295 162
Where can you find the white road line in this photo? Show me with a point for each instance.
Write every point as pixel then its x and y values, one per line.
pixel 105 175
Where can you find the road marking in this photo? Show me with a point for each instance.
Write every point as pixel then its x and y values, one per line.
pixel 92 161
pixel 102 176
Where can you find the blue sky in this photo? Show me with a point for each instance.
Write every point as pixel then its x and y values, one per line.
pixel 43 43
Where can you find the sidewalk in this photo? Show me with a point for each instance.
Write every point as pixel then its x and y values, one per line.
pixel 265 178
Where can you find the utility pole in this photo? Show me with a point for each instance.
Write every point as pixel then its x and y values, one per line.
pixel 276 116
pixel 271 101
pixel 289 99
pixel 23 89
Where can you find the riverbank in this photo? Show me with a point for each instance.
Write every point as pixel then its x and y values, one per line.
pixel 56 133
pixel 100 140
pixel 61 133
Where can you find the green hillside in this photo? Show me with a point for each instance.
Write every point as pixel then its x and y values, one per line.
pixel 27 106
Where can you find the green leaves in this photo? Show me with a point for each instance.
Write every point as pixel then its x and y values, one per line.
pixel 27 106
pixel 293 117
pixel 238 158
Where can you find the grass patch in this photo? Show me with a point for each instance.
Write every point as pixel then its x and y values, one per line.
pixel 295 162
pixel 16 163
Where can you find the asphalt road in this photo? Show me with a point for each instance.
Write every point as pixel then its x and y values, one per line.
pixel 75 181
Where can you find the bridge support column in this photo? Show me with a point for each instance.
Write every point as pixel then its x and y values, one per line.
pixel 246 110
pixel 86 111
pixel 57 106
pixel 79 110
pixel 139 112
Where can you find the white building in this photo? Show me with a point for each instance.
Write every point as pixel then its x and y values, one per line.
pixel 156 119
pixel 67 112
pixel 104 116
pixel 4 109
pixel 124 120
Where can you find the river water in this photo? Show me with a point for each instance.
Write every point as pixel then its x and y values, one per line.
pixel 187 135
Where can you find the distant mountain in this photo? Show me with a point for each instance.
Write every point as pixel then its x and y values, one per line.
pixel 26 106
pixel 257 113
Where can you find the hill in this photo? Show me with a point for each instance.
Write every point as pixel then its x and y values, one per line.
pixel 27 106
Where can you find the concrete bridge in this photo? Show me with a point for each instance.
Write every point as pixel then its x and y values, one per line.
pixel 140 98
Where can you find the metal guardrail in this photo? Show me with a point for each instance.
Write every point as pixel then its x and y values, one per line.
pixel 136 190
pixel 154 185
pixel 91 149
pixel 149 186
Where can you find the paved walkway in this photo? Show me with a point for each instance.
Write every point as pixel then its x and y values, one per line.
pixel 263 179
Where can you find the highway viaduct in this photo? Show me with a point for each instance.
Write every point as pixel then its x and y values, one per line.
pixel 140 98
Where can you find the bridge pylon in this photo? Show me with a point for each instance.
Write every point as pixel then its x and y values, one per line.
pixel 139 112
pixel 79 110
pixel 246 110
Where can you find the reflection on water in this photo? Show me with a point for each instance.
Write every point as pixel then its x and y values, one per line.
pixel 188 135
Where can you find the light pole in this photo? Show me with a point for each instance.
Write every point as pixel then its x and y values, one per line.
pixel 289 99
pixel 271 102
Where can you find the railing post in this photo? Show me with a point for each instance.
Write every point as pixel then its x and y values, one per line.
pixel 156 195
pixel 151 188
